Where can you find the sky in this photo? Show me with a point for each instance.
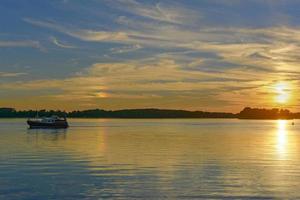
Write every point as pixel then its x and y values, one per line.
pixel 211 55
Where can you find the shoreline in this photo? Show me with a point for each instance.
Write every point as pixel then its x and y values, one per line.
pixel 247 113
pixel 141 118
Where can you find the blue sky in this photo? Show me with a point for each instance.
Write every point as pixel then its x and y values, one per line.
pixel 113 54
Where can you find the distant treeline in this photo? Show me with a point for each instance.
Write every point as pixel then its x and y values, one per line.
pixel 148 113
pixel 13 113
pixel 132 113
pixel 247 113
pixel 257 113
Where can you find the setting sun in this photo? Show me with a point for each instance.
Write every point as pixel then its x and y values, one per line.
pixel 282 92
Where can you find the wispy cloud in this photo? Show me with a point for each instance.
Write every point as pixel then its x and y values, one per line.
pixel 21 43
pixel 11 74
pixel 165 12
pixel 60 44
pixel 83 34
pixel 126 49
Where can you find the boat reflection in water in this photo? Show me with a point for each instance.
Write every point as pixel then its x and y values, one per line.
pixel 48 122
pixel 36 135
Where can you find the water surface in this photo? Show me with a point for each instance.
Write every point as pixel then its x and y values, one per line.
pixel 151 159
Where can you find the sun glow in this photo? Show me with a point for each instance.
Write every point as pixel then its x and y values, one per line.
pixel 282 92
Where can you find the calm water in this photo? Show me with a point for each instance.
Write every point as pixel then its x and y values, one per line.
pixel 151 159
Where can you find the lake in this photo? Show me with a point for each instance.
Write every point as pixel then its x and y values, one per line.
pixel 151 159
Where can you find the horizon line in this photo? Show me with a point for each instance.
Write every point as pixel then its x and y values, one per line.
pixel 147 108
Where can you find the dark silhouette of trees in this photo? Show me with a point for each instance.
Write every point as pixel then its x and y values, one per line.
pixel 246 113
pixel 7 112
pixel 12 113
pixel 147 113
pixel 129 113
pixel 256 113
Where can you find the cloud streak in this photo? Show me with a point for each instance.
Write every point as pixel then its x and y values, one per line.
pixel 21 43
pixel 83 34
pixel 60 44
pixel 162 12
pixel 11 75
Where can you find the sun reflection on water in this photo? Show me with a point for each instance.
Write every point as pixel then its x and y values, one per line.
pixel 282 138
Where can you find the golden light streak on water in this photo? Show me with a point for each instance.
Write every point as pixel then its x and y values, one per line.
pixel 282 138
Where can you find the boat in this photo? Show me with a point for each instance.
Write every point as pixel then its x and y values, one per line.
pixel 48 122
